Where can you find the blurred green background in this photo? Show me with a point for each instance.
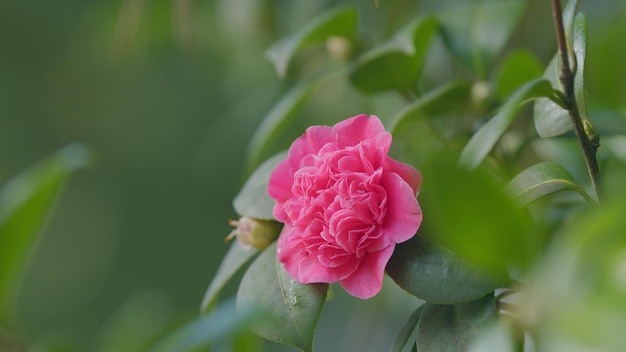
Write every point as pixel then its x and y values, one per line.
pixel 167 95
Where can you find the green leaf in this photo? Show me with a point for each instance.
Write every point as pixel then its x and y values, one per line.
pixel 488 135
pixel 580 51
pixel 437 101
pixel 471 214
pixel 518 68
pixel 281 115
pixel 451 328
pixel 437 275
pixel 552 119
pixel 25 202
pixel 236 258
pixel 253 199
pixel 568 15
pixel 396 64
pixel 406 338
pixel 294 308
pixel 541 180
pixel 223 323
pixel 338 22
pixel 476 31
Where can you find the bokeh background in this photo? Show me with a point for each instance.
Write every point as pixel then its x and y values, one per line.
pixel 166 94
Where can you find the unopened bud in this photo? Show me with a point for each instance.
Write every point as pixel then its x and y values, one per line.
pixel 254 233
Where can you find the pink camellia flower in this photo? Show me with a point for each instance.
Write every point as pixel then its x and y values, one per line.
pixel 345 204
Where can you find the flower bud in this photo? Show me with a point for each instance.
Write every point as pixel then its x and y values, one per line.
pixel 254 233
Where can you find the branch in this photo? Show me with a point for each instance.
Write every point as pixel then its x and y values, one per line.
pixel 588 146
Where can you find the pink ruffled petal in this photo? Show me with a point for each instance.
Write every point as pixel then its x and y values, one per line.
pixel 359 128
pixel 311 142
pixel 305 267
pixel 406 171
pixel 404 214
pixel 367 280
pixel 281 180
pixel 345 204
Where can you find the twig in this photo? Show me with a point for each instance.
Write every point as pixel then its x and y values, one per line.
pixel 588 146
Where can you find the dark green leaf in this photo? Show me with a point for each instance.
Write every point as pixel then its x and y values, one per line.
pixel 25 202
pixel 476 31
pixel 518 68
pixel 406 338
pixel 236 257
pixel 437 275
pixel 472 215
pixel 488 135
pixel 294 308
pixel 395 65
pixel 281 115
pixel 541 180
pixel 442 99
pixel 223 323
pixel 253 199
pixel 338 22
pixel 451 328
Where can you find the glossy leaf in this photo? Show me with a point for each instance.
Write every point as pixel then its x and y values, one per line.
pixel 236 258
pixel 580 51
pixel 253 199
pixel 541 180
pixel 476 31
pixel 338 22
pixel 281 115
pixel 550 118
pixel 293 308
pixel 519 67
pixel 437 275
pixel 442 99
pixel 472 215
pixel 451 328
pixel 405 340
pixel 488 135
pixel 223 323
pixel 25 202
pixel 395 65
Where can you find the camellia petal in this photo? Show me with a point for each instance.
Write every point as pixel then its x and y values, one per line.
pixel 345 204
pixel 313 139
pixel 367 280
pixel 404 214
pixel 360 128
pixel 406 171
